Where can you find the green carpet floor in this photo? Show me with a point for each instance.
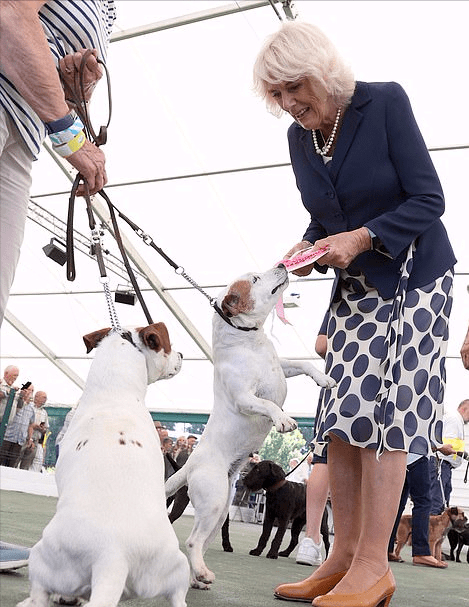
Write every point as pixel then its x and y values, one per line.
pixel 242 580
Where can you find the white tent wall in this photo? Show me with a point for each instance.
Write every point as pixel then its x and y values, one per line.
pixel 185 146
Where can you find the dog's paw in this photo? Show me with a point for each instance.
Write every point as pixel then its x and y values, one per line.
pixel 199 585
pixel 285 424
pixel 323 380
pixel 271 555
pixel 205 577
pixel 255 552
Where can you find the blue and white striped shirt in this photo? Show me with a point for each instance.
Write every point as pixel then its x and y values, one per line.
pixel 69 25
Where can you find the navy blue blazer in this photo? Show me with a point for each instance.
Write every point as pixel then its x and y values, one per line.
pixel 381 176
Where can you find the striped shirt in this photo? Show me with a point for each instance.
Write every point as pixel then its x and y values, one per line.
pixel 69 25
pixel 17 429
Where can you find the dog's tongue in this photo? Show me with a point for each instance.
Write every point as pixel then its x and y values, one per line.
pixel 280 310
pixel 305 257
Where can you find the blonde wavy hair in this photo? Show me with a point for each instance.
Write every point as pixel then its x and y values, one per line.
pixel 301 50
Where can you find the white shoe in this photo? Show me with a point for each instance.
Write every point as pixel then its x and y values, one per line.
pixel 309 553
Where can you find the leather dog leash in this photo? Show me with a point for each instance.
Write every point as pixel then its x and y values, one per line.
pixel 82 110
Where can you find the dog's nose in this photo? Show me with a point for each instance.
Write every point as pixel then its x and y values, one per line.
pixel 180 354
pixel 282 265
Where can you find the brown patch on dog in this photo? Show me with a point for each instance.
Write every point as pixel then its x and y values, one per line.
pixel 92 339
pixel 238 299
pixel 155 337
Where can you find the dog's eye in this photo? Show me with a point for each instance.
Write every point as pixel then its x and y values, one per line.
pixel 255 279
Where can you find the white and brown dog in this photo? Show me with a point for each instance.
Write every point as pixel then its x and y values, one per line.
pixel 110 537
pixel 249 392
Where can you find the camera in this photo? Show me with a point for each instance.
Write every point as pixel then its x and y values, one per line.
pixel 26 385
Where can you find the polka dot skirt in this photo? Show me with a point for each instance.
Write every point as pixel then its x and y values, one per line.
pixel 388 359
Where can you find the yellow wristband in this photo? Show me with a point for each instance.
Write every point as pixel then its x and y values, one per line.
pixel 68 148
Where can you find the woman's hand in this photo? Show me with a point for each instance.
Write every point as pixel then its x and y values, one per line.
pixel 305 270
pixel 344 247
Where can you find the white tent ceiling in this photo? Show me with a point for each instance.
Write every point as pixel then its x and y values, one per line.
pixel 194 159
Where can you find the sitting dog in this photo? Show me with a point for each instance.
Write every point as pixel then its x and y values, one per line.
pixel 249 392
pixel 438 529
pixel 285 501
pixel 110 537
pixel 458 536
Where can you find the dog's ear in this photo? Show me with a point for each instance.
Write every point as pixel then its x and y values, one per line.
pixel 238 299
pixel 92 339
pixel 155 337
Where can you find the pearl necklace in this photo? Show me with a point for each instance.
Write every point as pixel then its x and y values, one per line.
pixel 330 140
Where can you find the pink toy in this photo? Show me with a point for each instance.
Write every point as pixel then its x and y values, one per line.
pixel 305 257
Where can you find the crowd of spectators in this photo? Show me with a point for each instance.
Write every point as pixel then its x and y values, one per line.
pixel 24 422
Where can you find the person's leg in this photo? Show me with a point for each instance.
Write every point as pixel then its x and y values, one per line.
pixel 317 491
pixel 402 505
pixel 344 465
pixel 379 492
pixel 436 491
pixel 420 494
pixel 15 180
pixel 446 472
pixel 345 472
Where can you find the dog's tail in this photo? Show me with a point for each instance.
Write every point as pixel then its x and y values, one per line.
pixel 176 481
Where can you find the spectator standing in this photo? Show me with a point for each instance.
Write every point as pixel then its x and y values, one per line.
pixel 298 473
pixel 181 498
pixel 10 375
pixel 19 431
pixel 182 457
pixel 441 468
pixel 36 38
pixel 179 447
pixel 40 427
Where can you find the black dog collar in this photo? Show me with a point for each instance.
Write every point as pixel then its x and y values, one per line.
pixel 220 312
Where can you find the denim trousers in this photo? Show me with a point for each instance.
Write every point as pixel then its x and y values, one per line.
pixel 417 485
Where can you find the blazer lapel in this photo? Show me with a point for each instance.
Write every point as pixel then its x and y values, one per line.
pixel 352 119
pixel 315 160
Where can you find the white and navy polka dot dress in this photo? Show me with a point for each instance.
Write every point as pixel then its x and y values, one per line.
pixel 388 359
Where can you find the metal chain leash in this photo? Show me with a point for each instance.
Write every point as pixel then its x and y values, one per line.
pixel 180 270
pixel 111 308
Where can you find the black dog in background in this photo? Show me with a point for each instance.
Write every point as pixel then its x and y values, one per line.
pixel 458 536
pixel 285 501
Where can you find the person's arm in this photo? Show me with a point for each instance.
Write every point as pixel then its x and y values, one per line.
pixel 26 60
pixel 424 201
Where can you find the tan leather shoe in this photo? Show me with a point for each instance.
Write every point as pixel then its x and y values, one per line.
pixel 308 589
pixel 379 595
